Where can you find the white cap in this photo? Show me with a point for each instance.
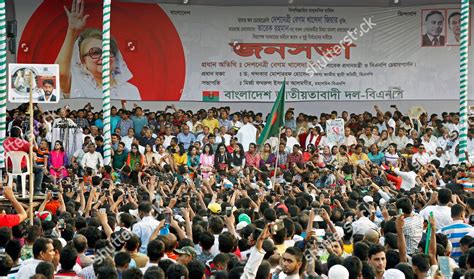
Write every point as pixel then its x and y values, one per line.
pixel 241 225
pixel 368 199
pixel 393 273
pixel 338 272
pixel 339 231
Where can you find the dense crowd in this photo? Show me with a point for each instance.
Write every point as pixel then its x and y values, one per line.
pixel 191 195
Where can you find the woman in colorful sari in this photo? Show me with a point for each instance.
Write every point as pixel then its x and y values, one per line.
pixel 193 160
pixel 58 161
pixel 252 157
pixel 268 159
pixel 206 160
pixel 135 159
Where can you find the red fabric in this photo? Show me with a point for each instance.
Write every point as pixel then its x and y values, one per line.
pixel 9 220
pixel 52 206
pixel 16 144
pixel 397 180
pixel 172 256
pixel 302 140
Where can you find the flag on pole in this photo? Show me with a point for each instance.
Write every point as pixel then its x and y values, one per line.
pixel 275 119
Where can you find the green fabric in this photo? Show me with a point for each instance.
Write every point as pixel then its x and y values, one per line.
pixel 119 160
pixel 275 120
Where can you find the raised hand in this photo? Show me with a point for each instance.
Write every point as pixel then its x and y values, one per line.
pixel 75 17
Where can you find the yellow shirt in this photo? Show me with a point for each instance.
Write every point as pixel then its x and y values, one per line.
pixel 212 124
pixel 180 160
pixel 348 248
pixel 359 159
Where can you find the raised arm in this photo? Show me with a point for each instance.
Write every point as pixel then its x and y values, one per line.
pixel 402 246
pixel 76 22
pixel 20 211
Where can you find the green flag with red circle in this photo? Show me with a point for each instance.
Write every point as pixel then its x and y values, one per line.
pixel 275 119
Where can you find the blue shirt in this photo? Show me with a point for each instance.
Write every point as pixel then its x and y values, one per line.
pixel 455 232
pixel 138 124
pixel 186 140
pixel 377 159
pixel 144 229
pixel 99 123
pixel 124 125
pixel 114 120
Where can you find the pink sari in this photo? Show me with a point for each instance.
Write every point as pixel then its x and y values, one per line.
pixel 58 159
pixel 206 164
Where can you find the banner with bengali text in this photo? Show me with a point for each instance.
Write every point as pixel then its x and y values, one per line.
pixel 242 54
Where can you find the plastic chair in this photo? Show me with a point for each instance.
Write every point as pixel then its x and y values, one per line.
pixel 16 157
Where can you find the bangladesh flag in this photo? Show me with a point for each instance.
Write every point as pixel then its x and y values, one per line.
pixel 275 119
pixel 210 96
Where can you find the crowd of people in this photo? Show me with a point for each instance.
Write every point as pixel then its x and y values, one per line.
pixel 191 195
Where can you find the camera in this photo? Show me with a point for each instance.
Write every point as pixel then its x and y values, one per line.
pixel 277 226
pixel 228 211
pixel 55 195
pixel 61 224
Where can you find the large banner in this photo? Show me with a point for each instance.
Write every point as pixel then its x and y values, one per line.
pixel 242 54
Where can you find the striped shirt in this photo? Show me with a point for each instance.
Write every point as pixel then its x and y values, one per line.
pixel 41 156
pixel 455 231
pixel 413 231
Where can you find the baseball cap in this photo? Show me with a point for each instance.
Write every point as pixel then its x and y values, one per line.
pixel 338 272
pixel 186 250
pixel 241 225
pixel 245 218
pixel 368 199
pixel 214 208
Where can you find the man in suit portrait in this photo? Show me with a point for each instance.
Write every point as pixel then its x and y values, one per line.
pixel 47 94
pixel 434 22
pixel 454 23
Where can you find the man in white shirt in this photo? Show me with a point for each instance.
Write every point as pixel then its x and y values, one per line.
pixel 145 228
pixel 290 139
pixel 92 159
pixel 223 136
pixel 413 225
pixel 400 139
pixel 408 178
pixel 441 211
pixel 368 138
pixel 429 143
pixel 470 144
pixel 363 223
pixel 202 137
pixel 128 139
pixel 349 139
pixel 441 156
pixel 168 136
pixel 235 123
pixel 43 250
pixel 247 134
pixel 420 158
